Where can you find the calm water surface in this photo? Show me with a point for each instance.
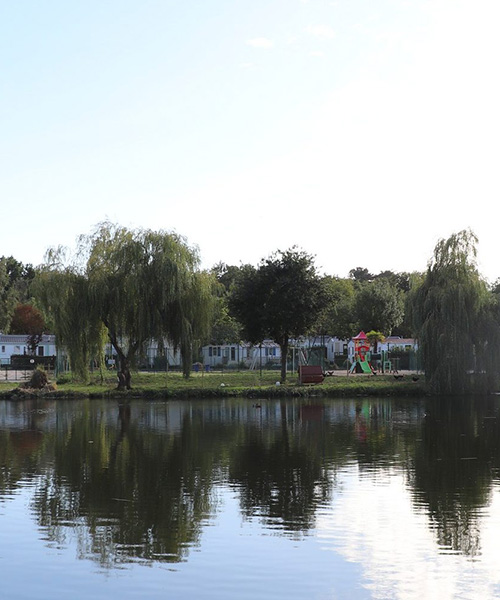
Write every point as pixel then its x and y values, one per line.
pixel 317 499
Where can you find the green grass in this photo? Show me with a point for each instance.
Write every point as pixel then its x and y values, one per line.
pixel 232 383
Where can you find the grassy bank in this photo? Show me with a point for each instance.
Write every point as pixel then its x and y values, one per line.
pixel 250 384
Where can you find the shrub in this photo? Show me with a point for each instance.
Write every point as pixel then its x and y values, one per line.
pixel 63 378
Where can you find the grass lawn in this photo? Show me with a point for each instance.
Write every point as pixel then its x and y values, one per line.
pixel 232 383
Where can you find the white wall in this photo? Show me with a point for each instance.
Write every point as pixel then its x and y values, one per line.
pixel 17 344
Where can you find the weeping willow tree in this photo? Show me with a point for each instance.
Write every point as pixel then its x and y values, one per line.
pixel 139 285
pixel 62 290
pixel 455 319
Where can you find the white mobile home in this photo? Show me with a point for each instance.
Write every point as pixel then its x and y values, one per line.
pixel 395 342
pixel 333 346
pixel 244 354
pixel 11 345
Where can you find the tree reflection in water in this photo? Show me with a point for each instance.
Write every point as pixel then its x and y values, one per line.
pixel 454 467
pixel 139 481
pixel 140 494
pixel 282 476
pixel 22 447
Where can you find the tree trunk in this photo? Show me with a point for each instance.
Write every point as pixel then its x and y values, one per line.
pixel 284 356
pixel 124 376
pixel 187 356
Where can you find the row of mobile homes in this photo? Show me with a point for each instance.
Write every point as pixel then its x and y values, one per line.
pixel 268 354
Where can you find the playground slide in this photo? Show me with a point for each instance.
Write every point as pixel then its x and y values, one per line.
pixel 365 367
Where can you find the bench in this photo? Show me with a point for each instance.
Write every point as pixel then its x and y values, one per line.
pixel 311 374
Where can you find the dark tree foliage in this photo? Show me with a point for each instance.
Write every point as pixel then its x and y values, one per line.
pixel 226 275
pixel 338 317
pixel 20 278
pixel 225 329
pixel 7 300
pixel 379 306
pixel 281 299
pixel 382 306
pixel 361 274
pixel 456 319
pixel 398 280
pixel 246 303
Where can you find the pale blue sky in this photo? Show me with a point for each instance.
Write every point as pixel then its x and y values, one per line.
pixel 360 130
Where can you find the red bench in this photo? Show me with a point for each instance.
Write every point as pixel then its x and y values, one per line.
pixel 311 374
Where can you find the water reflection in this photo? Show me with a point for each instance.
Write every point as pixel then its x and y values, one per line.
pixel 281 475
pixel 141 493
pixel 21 444
pixel 381 482
pixel 454 467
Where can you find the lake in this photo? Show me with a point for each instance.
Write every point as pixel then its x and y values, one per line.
pixel 244 499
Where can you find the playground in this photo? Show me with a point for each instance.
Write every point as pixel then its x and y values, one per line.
pixel 361 360
pixel 362 355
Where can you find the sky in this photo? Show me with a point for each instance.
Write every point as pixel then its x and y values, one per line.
pixel 360 131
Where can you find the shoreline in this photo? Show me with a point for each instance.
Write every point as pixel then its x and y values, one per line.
pixel 227 384
pixel 362 387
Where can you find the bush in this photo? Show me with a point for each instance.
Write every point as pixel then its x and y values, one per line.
pixel 39 379
pixel 63 378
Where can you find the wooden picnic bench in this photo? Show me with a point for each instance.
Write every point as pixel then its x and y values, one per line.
pixel 311 374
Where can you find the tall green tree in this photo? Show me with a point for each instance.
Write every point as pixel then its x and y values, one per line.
pixel 20 278
pixel 379 305
pixel 361 274
pixel 455 318
pixel 137 284
pixel 338 315
pixel 7 296
pixel 225 329
pixel 246 301
pixel 282 299
pixel 399 280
